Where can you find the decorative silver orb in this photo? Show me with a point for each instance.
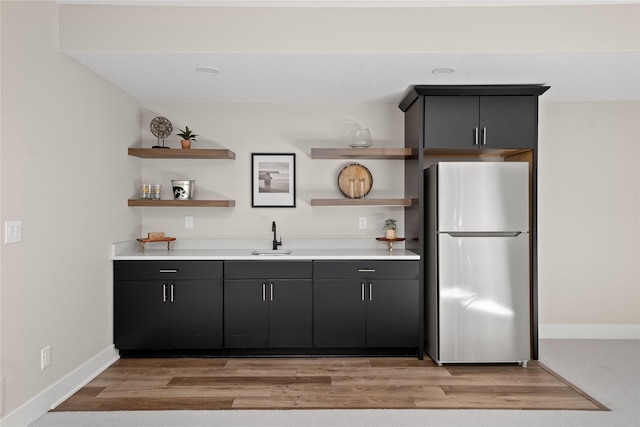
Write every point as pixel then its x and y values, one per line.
pixel 161 128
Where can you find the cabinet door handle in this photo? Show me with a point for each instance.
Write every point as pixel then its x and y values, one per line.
pixel 172 291
pixel 370 293
pixel 169 270
pixel 366 270
pixel 362 291
pixel 476 136
pixel 484 136
pixel 164 293
pixel 270 291
pixel 264 292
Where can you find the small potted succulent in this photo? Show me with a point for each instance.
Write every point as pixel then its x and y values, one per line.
pixel 187 136
pixel 390 228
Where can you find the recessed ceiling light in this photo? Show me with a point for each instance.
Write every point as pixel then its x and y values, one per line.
pixel 443 71
pixel 207 70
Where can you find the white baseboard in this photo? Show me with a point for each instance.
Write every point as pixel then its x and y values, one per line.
pixel 589 331
pixel 61 390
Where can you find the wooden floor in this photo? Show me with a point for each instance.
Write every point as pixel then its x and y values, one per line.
pixel 322 383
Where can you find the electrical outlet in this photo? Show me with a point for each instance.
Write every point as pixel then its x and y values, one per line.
pixel 188 222
pixel 45 357
pixel 362 223
pixel 12 232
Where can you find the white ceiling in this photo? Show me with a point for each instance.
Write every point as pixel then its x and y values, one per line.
pixel 361 78
pixel 354 78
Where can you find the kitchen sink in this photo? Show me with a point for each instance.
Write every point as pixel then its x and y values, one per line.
pixel 271 252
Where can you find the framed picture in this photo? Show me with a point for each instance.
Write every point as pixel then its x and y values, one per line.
pixel 273 180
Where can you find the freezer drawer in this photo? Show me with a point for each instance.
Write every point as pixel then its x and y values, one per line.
pixel 483 298
pixel 483 196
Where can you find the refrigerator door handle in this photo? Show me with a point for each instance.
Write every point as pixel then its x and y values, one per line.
pixel 483 234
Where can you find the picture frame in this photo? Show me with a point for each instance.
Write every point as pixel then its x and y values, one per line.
pixel 273 180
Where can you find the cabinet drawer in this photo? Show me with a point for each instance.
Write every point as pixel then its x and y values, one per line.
pixel 365 269
pixel 267 269
pixel 167 270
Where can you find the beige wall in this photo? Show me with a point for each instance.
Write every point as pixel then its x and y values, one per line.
pixel 268 128
pixel 589 215
pixel 65 175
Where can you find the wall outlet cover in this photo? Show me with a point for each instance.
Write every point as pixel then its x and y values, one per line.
pixel 12 232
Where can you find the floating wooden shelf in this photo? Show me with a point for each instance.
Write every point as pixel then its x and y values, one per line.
pixel 184 203
pixel 193 153
pixel 361 202
pixel 473 152
pixel 362 153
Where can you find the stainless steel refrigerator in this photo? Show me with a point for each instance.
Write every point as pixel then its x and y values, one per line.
pixel 477 262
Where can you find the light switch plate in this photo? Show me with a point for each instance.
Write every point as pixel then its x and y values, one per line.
pixel 12 232
pixel 188 222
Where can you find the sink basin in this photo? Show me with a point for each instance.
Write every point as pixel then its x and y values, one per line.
pixel 271 252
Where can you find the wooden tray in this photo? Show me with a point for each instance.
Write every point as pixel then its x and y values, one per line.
pixel 143 241
pixel 355 181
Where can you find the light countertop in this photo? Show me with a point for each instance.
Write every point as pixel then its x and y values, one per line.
pixel 240 249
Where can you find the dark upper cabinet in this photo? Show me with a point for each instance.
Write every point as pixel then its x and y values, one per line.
pixel 168 310
pixel 508 121
pixel 267 304
pixel 482 122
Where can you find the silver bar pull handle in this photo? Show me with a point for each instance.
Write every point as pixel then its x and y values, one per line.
pixel 172 291
pixel 484 136
pixel 264 292
pixel 270 291
pixel 476 136
pixel 366 270
pixel 164 293
pixel 370 293
pixel 362 291
pixel 169 270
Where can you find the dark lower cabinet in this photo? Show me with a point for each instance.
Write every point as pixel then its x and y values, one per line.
pixel 141 317
pixel 392 314
pixel 269 312
pixel 173 313
pixel 371 314
pixel 246 314
pixel 340 314
pixel 287 305
pixel 196 315
pixel 366 304
pixel 157 315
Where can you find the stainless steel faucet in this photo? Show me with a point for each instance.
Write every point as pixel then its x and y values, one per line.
pixel 276 243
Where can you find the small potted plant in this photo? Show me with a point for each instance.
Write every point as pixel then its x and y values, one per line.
pixel 390 228
pixel 187 136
